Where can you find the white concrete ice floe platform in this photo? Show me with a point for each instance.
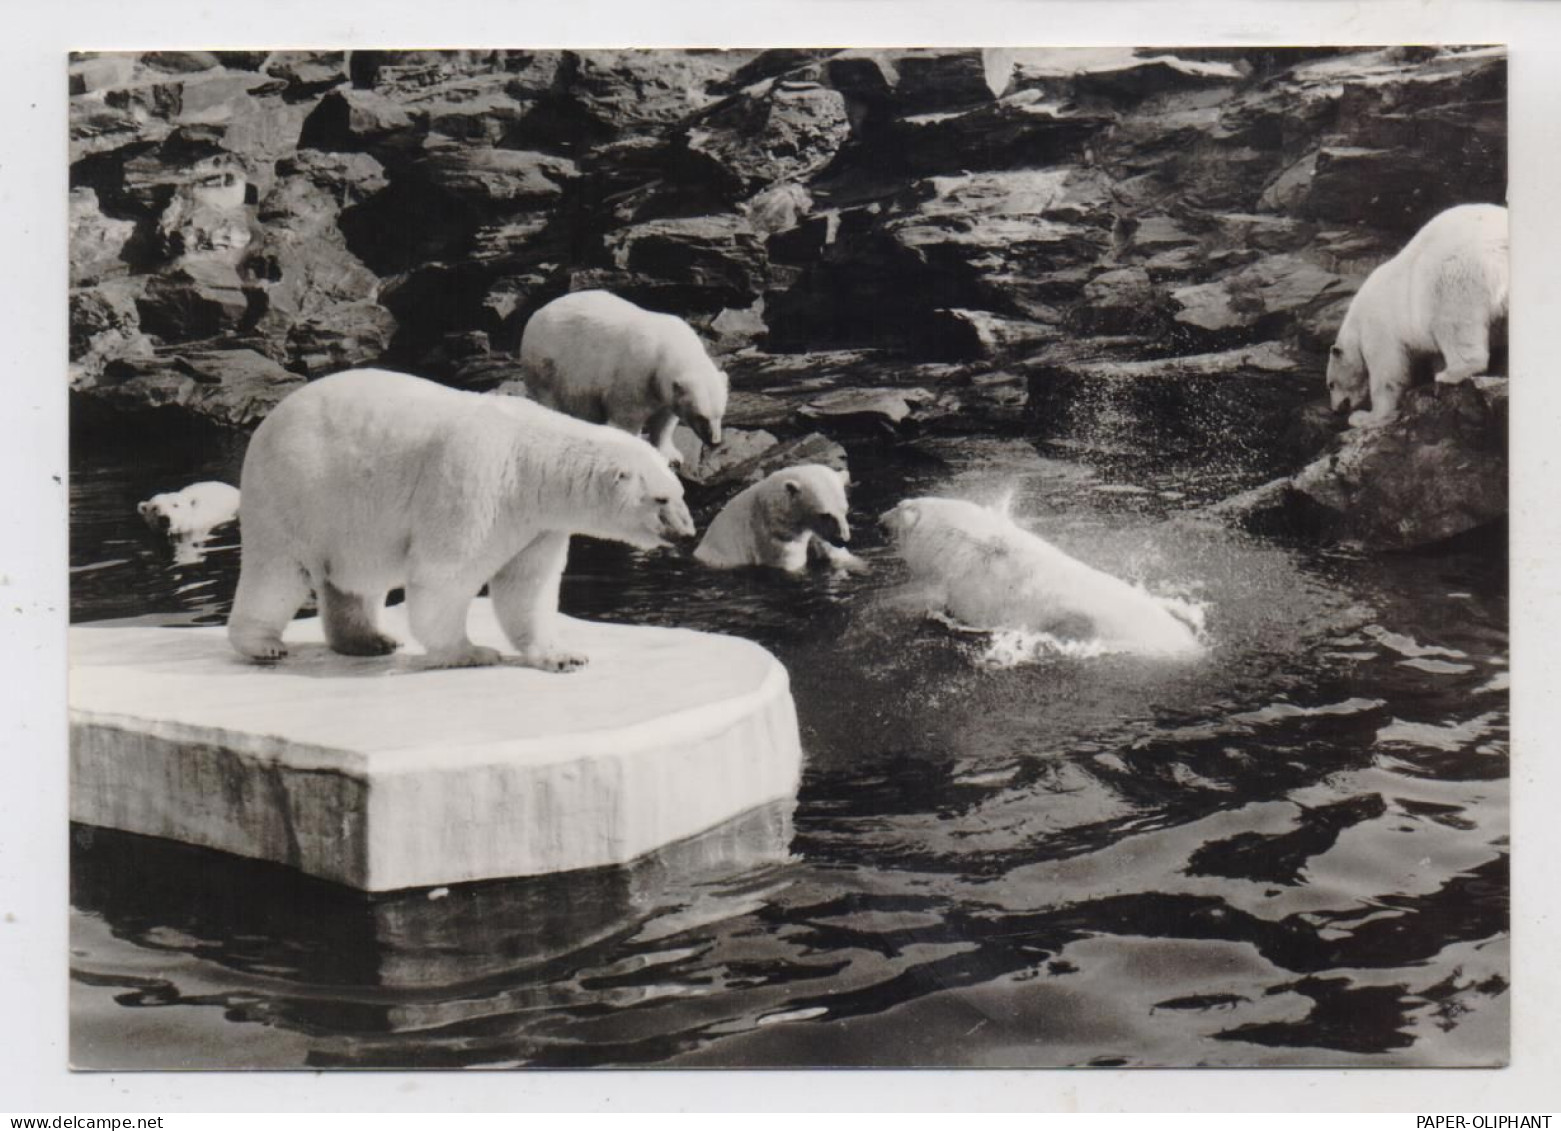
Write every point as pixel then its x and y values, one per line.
pixel 376 774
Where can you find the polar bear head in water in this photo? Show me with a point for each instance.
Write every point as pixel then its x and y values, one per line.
pixel 192 511
pixel 990 573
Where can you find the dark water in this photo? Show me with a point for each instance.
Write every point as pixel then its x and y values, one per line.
pixel 1292 851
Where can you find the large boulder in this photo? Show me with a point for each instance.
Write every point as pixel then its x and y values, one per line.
pixel 105 324
pixel 342 335
pixel 1271 297
pixel 1121 300
pixel 197 300
pixel 1404 134
pixel 1436 470
pixel 1006 241
pixel 900 81
pixel 489 179
pixel 776 132
pixel 608 92
pixel 350 120
pixel 229 388
pixel 307 74
pixel 97 242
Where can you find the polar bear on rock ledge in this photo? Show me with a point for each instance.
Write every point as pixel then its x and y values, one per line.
pixel 1443 294
pixel 599 357
pixel 370 480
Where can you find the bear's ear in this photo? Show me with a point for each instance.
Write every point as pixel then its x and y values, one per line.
pixel 911 515
pixel 793 487
pixel 142 508
pixel 623 475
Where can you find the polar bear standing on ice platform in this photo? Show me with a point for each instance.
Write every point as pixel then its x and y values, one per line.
pixel 598 357
pixel 1442 294
pixel 991 573
pixel 369 480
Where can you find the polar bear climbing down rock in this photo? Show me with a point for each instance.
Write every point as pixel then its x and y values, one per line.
pixel 782 521
pixel 987 572
pixel 598 357
pixel 369 480
pixel 1442 295
pixel 193 511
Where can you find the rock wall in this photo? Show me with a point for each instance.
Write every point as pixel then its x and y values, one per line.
pixel 244 221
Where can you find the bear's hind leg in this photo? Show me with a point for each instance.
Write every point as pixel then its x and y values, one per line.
pixel 436 609
pixel 352 623
pixel 525 599
pixel 1465 347
pixel 270 590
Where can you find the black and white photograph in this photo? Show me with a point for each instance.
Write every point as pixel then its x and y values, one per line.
pixel 787 557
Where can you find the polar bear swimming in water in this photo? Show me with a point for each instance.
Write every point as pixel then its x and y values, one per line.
pixel 784 521
pixel 991 573
pixel 189 517
pixel 193 511
pixel 1444 294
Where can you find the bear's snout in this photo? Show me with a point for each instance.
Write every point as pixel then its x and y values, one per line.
pixel 707 430
pixel 677 525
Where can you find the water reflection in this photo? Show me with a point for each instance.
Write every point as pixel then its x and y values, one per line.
pixel 416 959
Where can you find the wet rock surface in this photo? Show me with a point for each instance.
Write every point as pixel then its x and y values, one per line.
pixel 881 243
pixel 1435 471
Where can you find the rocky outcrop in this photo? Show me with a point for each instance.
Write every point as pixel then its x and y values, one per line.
pixel 1043 221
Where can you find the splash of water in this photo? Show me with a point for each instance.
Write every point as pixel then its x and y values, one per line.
pixel 1000 649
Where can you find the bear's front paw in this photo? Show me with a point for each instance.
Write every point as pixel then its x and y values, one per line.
pixel 553 659
pixel 471 656
pixel 260 646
